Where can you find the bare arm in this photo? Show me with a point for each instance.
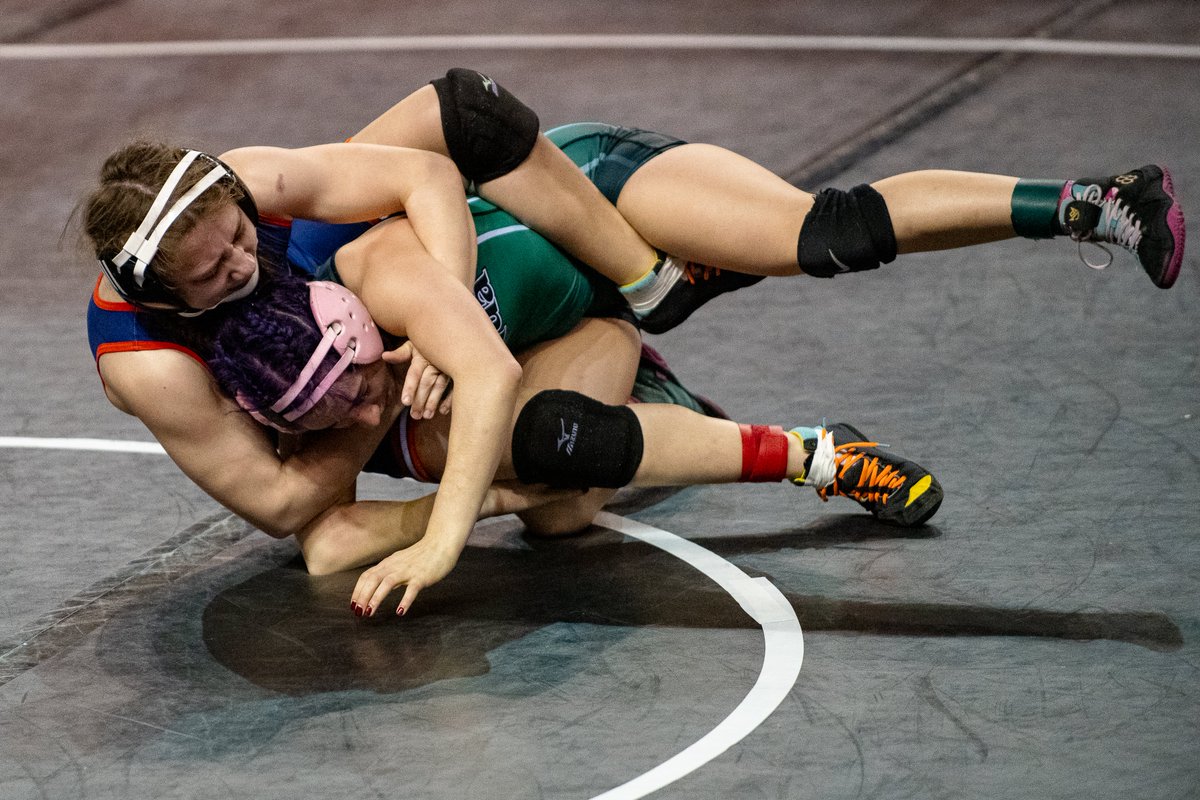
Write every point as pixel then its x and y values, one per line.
pixel 228 455
pixel 353 534
pixel 352 182
pixel 409 295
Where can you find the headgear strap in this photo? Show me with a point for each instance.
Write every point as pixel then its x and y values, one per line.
pixel 348 330
pixel 129 270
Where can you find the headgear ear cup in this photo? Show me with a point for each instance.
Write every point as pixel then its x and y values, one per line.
pixel 347 329
pixel 332 304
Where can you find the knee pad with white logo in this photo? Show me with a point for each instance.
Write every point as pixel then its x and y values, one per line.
pixel 488 131
pixel 570 441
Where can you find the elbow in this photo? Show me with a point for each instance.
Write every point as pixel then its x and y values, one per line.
pixel 509 373
pixel 439 170
pixel 320 560
pixel 339 540
pixel 322 555
pixel 281 519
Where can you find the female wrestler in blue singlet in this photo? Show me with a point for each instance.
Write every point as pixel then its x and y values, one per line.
pixel 197 248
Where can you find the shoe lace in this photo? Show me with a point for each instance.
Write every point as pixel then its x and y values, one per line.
pixel 693 272
pixel 1117 225
pixel 875 484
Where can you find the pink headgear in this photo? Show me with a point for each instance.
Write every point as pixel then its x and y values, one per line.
pixel 349 330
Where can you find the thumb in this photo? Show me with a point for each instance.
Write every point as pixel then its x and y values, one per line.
pixel 401 355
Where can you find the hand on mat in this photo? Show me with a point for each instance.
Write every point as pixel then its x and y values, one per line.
pixel 425 386
pixel 415 567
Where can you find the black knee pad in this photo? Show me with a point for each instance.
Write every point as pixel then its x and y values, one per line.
pixel 570 441
pixel 846 232
pixel 488 131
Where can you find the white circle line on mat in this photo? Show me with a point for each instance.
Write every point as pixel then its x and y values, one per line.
pixel 782 637
pixel 784 653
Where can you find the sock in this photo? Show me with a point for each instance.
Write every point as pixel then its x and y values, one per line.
pixel 645 293
pixel 805 433
pixel 1035 207
pixel 808 438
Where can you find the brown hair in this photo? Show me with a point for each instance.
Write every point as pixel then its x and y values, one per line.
pixel 129 181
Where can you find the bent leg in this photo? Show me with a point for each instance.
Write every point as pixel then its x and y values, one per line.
pixel 546 190
pixel 599 359
pixel 416 121
pixel 712 206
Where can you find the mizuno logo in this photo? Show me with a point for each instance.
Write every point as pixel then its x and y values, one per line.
pixel 841 266
pixel 1126 179
pixel 567 438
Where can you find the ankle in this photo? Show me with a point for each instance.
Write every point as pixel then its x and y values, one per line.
pixel 1036 207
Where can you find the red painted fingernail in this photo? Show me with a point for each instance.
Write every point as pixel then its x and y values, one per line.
pixel 369 609
pixel 357 610
pixel 353 605
pixel 400 611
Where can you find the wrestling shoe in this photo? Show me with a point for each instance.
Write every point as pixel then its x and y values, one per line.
pixel 1137 211
pixel 845 463
pixel 686 287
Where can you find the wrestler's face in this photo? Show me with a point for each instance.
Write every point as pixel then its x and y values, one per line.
pixel 217 258
pixel 358 397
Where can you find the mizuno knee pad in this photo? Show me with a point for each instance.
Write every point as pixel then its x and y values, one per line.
pixel 846 232
pixel 570 441
pixel 488 131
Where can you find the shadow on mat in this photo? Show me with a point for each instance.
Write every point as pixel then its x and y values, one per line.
pixel 290 632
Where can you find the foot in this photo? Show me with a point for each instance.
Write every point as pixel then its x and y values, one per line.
pixel 1137 211
pixel 686 287
pixel 844 462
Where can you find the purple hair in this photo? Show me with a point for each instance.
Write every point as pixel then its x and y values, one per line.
pixel 262 346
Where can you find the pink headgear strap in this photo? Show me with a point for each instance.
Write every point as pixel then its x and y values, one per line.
pixel 349 330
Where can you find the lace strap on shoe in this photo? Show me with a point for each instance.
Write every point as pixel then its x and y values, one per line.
pixel 823 469
pixel 1081 242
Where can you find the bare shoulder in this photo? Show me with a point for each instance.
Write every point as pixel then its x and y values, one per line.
pixel 158 385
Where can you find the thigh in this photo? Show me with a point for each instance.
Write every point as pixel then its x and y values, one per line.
pixel 416 121
pixel 598 358
pixel 715 207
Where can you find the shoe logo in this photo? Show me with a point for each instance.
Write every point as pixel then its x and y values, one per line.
pixel 1125 180
pixel 567 438
pixel 490 85
pixel 1073 215
pixel 841 266
pixel 918 489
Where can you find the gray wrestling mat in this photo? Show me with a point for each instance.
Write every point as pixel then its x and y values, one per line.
pixel 1039 639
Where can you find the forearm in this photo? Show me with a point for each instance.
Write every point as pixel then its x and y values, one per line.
pixel 283 496
pixel 355 534
pixel 479 434
pixel 437 209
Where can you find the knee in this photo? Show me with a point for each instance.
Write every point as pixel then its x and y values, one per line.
pixel 561 522
pixel 568 440
pixel 846 231
pixel 488 131
pixel 567 517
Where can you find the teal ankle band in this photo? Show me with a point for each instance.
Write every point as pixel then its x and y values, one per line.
pixel 1035 208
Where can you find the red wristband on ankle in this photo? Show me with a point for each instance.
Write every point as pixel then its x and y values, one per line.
pixel 764 453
